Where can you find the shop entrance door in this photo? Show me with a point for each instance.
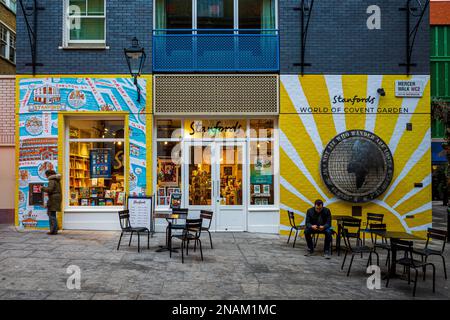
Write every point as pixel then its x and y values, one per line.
pixel 216 181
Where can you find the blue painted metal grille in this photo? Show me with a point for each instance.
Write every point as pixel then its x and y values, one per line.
pixel 215 50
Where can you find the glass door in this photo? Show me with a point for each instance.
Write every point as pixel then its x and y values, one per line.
pixel 200 173
pixel 230 183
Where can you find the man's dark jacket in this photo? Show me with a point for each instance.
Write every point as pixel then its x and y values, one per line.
pixel 322 218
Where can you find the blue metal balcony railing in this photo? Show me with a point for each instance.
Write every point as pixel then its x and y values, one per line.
pixel 215 50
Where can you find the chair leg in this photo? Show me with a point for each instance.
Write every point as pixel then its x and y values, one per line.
pixel 131 237
pixel 295 238
pixel 434 277
pixel 200 245
pixel 409 275
pixel 148 239
pixel 195 245
pixel 350 266
pixel 182 251
pixel 343 262
pixel 289 238
pixel 378 258
pixel 120 239
pixel 445 267
pixel 210 239
pixel 415 282
pixel 388 275
pixel 388 257
pixel 139 241
pixel 424 272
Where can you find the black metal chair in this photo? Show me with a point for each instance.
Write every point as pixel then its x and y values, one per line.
pixel 317 235
pixel 207 215
pixel 294 226
pixel 372 218
pixel 182 215
pixel 124 219
pixel 409 262
pixel 384 243
pixel 434 234
pixel 191 232
pixel 359 248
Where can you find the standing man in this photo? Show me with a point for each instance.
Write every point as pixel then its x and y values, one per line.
pixel 54 198
pixel 318 220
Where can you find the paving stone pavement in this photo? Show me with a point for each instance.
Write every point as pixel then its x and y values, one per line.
pixel 33 265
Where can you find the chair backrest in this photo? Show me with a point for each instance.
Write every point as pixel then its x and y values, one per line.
pixel 291 216
pixel 437 234
pixel 376 227
pixel 403 246
pixel 374 217
pixel 351 229
pixel 206 215
pixel 124 219
pixel 194 226
pixel 182 212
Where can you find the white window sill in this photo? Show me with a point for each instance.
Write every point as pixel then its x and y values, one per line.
pixel 262 208
pixel 93 209
pixel 84 47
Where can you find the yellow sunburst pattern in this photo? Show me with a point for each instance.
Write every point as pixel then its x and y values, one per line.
pixel 308 121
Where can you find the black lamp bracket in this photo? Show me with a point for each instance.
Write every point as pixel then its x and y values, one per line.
pixel 28 13
pixel 417 12
pixel 306 8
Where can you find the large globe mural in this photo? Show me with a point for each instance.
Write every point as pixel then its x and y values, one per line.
pixel 357 166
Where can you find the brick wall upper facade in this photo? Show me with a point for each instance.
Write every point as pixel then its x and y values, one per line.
pixel 124 20
pixel 7 102
pixel 339 41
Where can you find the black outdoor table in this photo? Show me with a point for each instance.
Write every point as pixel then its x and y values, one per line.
pixel 169 217
pixel 399 235
pixel 339 218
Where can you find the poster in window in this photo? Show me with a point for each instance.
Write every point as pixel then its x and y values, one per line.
pixel 167 173
pixel 175 200
pixel 100 163
pixel 261 172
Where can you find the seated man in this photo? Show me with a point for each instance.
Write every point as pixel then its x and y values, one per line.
pixel 318 220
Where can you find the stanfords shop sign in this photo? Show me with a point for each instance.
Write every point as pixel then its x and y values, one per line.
pixel 215 128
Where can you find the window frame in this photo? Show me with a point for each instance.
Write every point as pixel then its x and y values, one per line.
pixel 68 140
pixel 235 14
pixel 8 32
pixel 274 139
pixel 67 42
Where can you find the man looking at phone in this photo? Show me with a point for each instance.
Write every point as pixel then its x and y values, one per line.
pixel 318 220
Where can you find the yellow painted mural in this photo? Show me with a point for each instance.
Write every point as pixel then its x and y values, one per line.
pixel 316 108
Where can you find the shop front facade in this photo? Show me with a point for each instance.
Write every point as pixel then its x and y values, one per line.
pixel 236 120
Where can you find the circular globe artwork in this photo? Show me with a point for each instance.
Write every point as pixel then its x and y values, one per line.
pixel 357 166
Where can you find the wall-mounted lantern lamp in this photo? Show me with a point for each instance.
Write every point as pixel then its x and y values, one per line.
pixel 381 92
pixel 135 56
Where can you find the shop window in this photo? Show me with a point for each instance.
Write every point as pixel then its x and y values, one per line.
pixel 261 128
pixel 168 129
pixel 96 163
pixel 85 23
pixel 262 173
pixel 168 171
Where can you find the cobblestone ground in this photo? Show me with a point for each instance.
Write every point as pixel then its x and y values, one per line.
pixel 241 266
